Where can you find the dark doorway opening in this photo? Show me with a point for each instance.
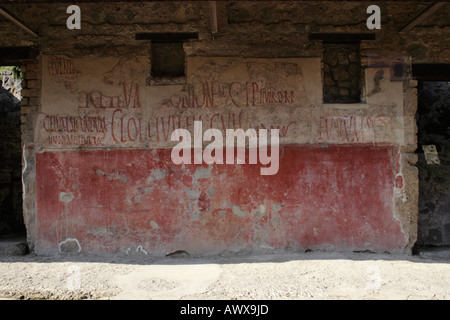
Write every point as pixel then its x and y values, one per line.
pixel 433 123
pixel 11 213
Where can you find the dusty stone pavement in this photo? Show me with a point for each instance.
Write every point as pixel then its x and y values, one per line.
pixel 284 275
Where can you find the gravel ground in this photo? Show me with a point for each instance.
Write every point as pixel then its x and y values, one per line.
pixel 303 275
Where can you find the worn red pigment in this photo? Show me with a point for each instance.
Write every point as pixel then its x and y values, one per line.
pixel 110 200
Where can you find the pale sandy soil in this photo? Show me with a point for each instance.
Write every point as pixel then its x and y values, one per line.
pixel 302 275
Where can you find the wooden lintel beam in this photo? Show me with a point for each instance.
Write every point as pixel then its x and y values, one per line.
pixel 167 37
pixel 15 55
pixel 342 37
pixel 431 72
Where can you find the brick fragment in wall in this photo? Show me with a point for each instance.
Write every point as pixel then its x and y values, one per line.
pixel 31 75
pixel 25 101
pixel 35 92
pixel 33 84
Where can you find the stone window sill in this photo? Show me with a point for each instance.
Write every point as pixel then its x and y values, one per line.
pixel 347 105
pixel 166 81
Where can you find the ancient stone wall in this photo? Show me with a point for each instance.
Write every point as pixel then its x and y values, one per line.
pixel 99 103
pixel 11 220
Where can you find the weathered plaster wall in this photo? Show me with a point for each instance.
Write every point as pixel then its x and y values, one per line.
pixel 260 45
pixel 107 101
pixel 120 199
pixel 347 154
pixel 109 95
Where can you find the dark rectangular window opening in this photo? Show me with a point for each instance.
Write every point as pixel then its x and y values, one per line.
pixel 342 72
pixel 168 60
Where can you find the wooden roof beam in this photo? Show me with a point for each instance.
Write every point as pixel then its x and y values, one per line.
pixel 421 17
pixel 18 23
pixel 213 14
